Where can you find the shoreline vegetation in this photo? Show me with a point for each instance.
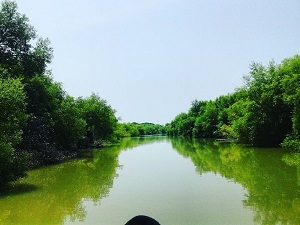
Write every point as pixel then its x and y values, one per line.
pixel 265 112
pixel 41 124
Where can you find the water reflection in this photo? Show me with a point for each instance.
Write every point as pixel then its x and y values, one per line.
pixel 60 190
pixel 270 176
pixel 69 192
pixel 53 194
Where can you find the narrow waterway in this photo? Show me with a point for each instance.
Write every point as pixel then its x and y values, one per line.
pixel 175 181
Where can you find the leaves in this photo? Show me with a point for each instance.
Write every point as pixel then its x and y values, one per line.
pixel 262 113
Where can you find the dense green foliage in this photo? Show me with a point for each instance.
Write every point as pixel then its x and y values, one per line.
pixel 291 86
pixel 265 112
pixel 138 129
pixel 40 123
pixel 18 55
pixel 12 117
pixel 100 119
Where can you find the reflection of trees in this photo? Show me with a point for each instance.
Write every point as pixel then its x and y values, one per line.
pixel 58 191
pixel 269 176
pixel 129 143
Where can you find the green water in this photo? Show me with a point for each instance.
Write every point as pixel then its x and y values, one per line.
pixel 178 182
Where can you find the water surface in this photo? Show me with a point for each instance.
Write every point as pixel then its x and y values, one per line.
pixel 176 181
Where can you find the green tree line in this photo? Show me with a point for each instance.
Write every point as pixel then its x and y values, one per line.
pixel 264 112
pixel 139 129
pixel 40 123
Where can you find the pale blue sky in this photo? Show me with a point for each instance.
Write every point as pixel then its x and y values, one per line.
pixel 150 58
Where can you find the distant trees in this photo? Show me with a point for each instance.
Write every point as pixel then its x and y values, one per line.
pixel 265 112
pixel 181 125
pixel 138 129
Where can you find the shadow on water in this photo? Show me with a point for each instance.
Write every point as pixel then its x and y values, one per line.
pixel 17 189
pixel 54 194
pixel 62 190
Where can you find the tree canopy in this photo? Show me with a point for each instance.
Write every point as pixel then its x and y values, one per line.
pixel 264 112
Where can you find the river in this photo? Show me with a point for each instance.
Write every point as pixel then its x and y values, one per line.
pixel 175 181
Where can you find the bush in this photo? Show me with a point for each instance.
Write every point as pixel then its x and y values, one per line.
pixel 291 144
pixel 100 119
pixel 12 119
pixel 12 165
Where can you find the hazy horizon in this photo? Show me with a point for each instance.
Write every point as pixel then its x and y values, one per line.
pixel 151 59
